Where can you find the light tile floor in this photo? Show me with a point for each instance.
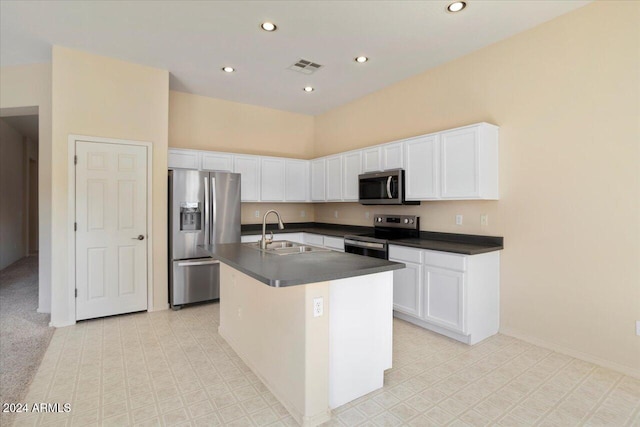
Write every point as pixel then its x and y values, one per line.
pixel 172 368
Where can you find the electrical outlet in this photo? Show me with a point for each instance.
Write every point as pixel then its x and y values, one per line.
pixel 638 327
pixel 458 219
pixel 303 214
pixel 484 219
pixel 367 215
pixel 240 312
pixel 335 214
pixel 257 214
pixel 318 307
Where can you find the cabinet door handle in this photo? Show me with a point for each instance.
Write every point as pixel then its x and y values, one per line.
pixel 140 237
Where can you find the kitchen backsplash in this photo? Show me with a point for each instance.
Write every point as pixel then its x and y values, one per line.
pixel 290 212
pixel 434 216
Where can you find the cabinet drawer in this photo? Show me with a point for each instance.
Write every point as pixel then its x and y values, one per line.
pixel 336 243
pixel 445 260
pixel 405 254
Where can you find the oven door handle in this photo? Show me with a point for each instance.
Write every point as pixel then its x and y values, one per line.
pixel 364 244
pixel 389 186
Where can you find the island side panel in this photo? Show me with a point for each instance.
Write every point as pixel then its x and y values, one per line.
pixel 269 328
pixel 361 335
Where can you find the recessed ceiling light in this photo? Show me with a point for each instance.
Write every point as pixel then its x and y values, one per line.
pixel 268 26
pixel 228 69
pixel 308 89
pixel 361 59
pixel 456 6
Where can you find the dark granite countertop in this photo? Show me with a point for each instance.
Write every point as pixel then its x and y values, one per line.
pixel 298 269
pixel 465 244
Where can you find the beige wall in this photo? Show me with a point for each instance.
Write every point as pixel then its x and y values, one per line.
pixel 28 87
pixel 204 123
pixel 199 122
pixel 12 192
pixel 566 96
pixel 104 97
pixel 289 212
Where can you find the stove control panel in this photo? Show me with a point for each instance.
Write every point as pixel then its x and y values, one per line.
pixel 409 222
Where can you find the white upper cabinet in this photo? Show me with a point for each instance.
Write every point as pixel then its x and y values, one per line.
pixel 318 180
pixel 392 156
pixel 216 161
pixel 186 159
pixel 249 169
pixel 469 162
pixel 334 178
pixel 272 179
pixel 457 164
pixel 296 180
pixel 352 166
pixel 422 160
pixel 371 159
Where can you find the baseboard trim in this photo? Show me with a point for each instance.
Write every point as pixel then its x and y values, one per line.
pixel 161 308
pixel 626 370
pixel 62 324
pixel 297 416
pixel 39 310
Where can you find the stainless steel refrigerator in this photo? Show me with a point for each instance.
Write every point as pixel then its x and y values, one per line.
pixel 204 208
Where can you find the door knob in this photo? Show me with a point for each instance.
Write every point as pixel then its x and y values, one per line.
pixel 140 237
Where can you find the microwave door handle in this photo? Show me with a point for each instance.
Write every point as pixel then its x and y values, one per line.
pixel 389 186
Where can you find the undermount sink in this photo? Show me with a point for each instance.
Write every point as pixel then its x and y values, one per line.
pixel 285 247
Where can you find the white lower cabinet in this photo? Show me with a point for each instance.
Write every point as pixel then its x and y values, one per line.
pixel 292 237
pixel 330 242
pixel 443 298
pixel 451 294
pixel 313 239
pixel 335 243
pixel 407 288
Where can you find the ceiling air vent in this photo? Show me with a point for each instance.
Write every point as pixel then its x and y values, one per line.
pixel 305 67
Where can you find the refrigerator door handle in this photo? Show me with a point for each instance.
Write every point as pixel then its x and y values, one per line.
pixel 206 212
pixel 214 217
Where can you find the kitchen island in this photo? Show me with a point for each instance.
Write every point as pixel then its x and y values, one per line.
pixel 315 327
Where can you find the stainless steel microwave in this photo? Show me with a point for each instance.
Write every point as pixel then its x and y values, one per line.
pixel 382 188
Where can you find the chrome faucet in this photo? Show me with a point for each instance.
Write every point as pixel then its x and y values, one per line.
pixel 264 242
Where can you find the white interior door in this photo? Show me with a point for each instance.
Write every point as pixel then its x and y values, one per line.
pixel 111 235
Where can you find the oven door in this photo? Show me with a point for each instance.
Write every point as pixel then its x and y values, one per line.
pixel 371 249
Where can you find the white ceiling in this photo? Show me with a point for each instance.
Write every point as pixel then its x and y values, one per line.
pixel 194 39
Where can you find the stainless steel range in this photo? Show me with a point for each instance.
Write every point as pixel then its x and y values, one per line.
pixel 386 228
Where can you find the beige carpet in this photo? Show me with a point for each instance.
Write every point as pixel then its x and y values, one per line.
pixel 24 333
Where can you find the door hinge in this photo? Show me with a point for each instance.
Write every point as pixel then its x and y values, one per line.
pixel 75 226
pixel 75 160
pixel 76 292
